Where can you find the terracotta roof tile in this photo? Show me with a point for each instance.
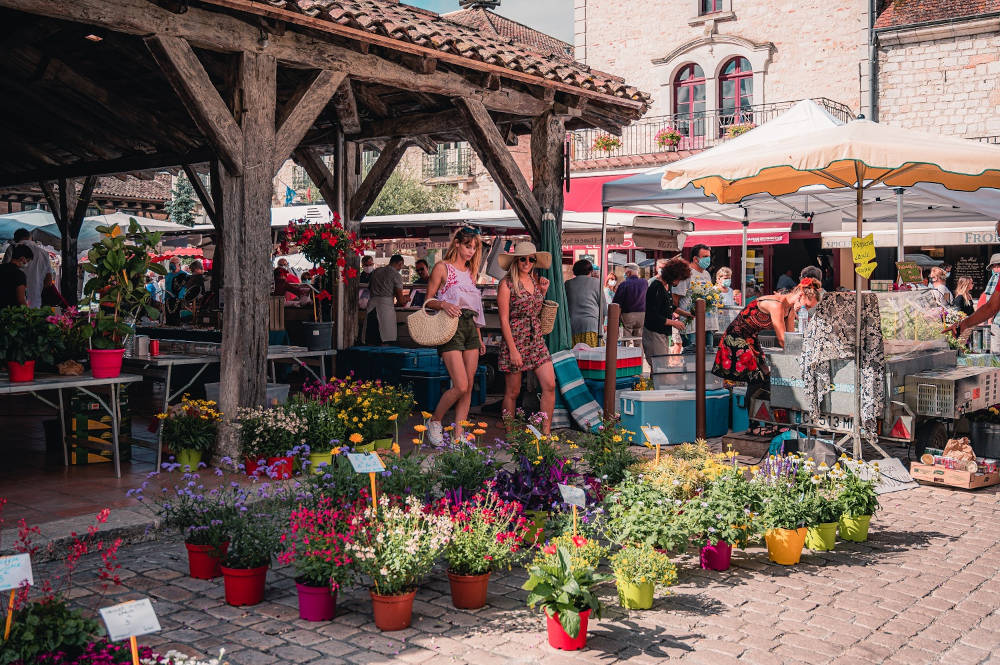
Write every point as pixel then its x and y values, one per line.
pixel 157 189
pixel 509 44
pixel 901 13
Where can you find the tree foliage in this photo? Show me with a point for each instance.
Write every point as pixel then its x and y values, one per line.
pixel 405 195
pixel 181 206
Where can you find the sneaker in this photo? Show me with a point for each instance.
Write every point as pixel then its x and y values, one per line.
pixel 435 432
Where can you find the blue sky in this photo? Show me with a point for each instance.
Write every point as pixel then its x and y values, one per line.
pixel 553 17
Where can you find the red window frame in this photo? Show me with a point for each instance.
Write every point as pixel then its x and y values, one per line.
pixel 743 72
pixel 689 118
pixel 710 6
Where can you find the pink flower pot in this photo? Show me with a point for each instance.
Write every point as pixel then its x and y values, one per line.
pixel 316 603
pixel 106 363
pixel 717 556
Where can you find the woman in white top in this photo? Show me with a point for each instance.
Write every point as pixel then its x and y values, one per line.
pixel 452 286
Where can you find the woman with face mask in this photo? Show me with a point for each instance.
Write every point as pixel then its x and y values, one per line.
pixel 724 282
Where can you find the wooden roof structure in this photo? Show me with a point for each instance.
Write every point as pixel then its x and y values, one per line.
pixel 102 87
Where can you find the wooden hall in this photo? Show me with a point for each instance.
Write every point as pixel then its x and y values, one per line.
pixel 236 87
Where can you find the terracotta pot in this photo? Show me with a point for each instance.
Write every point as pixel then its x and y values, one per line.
pixel 717 556
pixel 393 612
pixel 188 457
pixel 204 560
pixel 635 596
pixel 244 586
pixel 855 529
pixel 468 592
pixel 560 639
pixel 281 467
pixel 316 603
pixel 784 546
pixel 822 537
pixel 21 372
pixel 106 363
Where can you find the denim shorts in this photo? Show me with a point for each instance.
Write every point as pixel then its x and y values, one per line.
pixel 466 337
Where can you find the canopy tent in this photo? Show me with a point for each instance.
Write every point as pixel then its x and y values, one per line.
pixel 89 235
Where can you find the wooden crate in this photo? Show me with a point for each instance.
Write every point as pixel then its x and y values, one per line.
pixel 747 445
pixel 938 475
pixel 276 313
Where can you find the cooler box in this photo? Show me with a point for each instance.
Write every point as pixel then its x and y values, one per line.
pixel 357 359
pixel 674 412
pixel 592 361
pixel 740 410
pixel 388 362
pixel 275 392
pixel 422 359
pixel 678 372
pixel 479 387
pixel 596 387
pixel 428 385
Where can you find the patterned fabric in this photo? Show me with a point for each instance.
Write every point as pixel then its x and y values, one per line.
pixel 526 329
pixel 589 338
pixel 578 398
pixel 739 357
pixel 830 336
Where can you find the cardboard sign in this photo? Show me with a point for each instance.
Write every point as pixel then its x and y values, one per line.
pixel 366 462
pixel 15 570
pixel 130 620
pixel 574 496
pixel 909 272
pixel 655 435
pixel 534 431
pixel 865 269
pixel 863 249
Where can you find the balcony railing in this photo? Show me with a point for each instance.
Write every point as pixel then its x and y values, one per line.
pixel 697 131
pixel 995 140
pixel 449 162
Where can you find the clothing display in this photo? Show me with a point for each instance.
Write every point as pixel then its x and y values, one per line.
pixel 526 329
pixel 829 336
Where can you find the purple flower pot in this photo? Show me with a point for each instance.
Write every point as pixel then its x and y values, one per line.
pixel 717 556
pixel 316 603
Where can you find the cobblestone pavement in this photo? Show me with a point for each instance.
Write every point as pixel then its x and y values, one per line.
pixel 922 590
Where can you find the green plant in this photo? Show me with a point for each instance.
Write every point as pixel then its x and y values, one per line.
pixel 608 453
pixel 607 143
pixel 563 584
pixel 642 564
pixel 118 288
pixel 43 626
pixel 405 195
pixel 463 467
pixel 683 470
pixel 732 131
pixel 316 543
pixel 26 334
pixel 181 205
pixel 825 499
pixel 254 537
pixel 338 480
pixel 640 513
pixel 488 534
pixel 322 430
pixel 784 506
pixel 857 495
pixel 523 442
pixel 404 476
pixel 269 432
pixel 190 425
pixel 74 330
pixel 668 137
pixel 724 511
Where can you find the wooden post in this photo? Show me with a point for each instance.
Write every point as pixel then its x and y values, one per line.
pixel 611 360
pixel 548 138
pixel 699 359
pixel 69 208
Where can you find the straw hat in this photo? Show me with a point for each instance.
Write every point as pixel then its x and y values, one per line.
pixel 543 259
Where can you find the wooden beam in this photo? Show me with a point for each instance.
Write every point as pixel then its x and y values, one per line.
pixel 373 101
pixel 310 160
pixel 192 84
pixel 426 144
pixel 414 125
pixel 347 108
pixel 369 190
pixel 301 112
pixel 489 144
pixel 107 167
pixel 548 140
pixel 204 196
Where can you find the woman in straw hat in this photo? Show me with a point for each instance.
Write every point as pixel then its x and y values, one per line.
pixel 519 299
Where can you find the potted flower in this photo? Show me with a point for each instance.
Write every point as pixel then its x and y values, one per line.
pixel 268 438
pixel 738 129
pixel 607 143
pixel 783 487
pixel 25 338
pixel 668 137
pixel 322 433
pixel 561 578
pixel 608 452
pixel 316 544
pixel 254 538
pixel 189 429
pixel 719 518
pixel 534 483
pixel 821 535
pixel 857 498
pixel 638 569
pixel 327 246
pixel 117 292
pixel 463 467
pixel 638 512
pixel 396 546
pixel 201 515
pixel 488 534
pixel 71 347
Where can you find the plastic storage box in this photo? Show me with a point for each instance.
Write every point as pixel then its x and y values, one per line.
pixel 428 385
pixel 740 410
pixel 422 359
pixel 674 412
pixel 596 387
pixel 275 392
pixel 592 362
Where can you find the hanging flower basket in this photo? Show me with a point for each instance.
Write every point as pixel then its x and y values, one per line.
pixel 607 143
pixel 668 137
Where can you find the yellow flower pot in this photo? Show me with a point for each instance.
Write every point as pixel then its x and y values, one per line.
pixel 784 546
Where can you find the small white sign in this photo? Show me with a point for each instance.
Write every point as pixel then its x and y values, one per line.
pixel 534 431
pixel 574 496
pixel 130 620
pixel 15 570
pixel 366 462
pixel 655 435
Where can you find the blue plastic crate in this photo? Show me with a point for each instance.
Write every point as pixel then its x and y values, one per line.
pixel 422 359
pixel 428 385
pixel 479 387
pixel 356 359
pixel 740 410
pixel 674 412
pixel 596 387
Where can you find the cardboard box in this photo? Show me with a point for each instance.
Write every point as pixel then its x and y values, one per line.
pixel 939 475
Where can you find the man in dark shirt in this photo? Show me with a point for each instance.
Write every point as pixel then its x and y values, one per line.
pixel 631 295
pixel 13 281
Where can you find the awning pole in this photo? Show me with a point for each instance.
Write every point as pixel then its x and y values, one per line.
pixel 604 248
pixel 900 248
pixel 743 257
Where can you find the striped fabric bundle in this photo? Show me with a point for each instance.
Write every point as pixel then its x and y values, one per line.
pixel 580 402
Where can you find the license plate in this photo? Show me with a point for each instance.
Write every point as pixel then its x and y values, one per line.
pixel 832 422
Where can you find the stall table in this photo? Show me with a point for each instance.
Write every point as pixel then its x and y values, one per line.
pixel 59 383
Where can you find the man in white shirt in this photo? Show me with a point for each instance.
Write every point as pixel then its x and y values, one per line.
pixel 701 259
pixel 36 270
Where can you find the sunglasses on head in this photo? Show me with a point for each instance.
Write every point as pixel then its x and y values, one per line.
pixel 469 231
pixel 527 259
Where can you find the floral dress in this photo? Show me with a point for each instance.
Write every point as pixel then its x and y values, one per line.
pixel 526 329
pixel 739 357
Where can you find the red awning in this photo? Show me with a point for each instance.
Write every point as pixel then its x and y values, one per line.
pixel 586 193
pixel 716 233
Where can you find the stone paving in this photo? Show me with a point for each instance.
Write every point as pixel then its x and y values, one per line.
pixel 922 590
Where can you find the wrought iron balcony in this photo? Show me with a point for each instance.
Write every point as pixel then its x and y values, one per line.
pixel 694 131
pixel 995 140
pixel 451 161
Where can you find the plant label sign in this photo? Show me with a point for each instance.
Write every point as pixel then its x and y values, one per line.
pixel 15 571
pixel 655 435
pixel 366 462
pixel 130 620
pixel 574 496
pixel 534 431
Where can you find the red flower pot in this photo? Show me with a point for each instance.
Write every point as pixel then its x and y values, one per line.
pixel 281 467
pixel 253 466
pixel 316 603
pixel 106 363
pixel 21 372
pixel 244 586
pixel 468 592
pixel 717 556
pixel 204 560
pixel 560 639
pixel 393 612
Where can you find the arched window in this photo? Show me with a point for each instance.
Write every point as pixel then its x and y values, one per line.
pixel 736 92
pixel 689 101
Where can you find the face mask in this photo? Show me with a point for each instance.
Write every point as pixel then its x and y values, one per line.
pixel 947 275
pixel 727 282
pixel 368 269
pixel 704 262
pixel 611 282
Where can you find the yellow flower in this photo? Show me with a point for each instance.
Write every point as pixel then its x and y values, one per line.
pixel 395 448
pixel 356 438
pixel 616 438
pixel 393 416
pixel 449 428
pixel 479 432
pixel 335 451
pixel 161 416
pixel 420 428
pixel 426 415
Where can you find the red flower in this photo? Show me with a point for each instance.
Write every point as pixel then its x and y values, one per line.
pixel 748 359
pixel 579 541
pixel 723 357
pixel 488 558
pixel 351 273
pixel 549 549
pixel 319 270
pixel 323 295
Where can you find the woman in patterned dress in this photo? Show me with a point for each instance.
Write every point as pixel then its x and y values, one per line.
pixel 739 357
pixel 519 300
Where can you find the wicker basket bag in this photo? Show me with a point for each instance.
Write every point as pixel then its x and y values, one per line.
pixel 430 329
pixel 548 316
